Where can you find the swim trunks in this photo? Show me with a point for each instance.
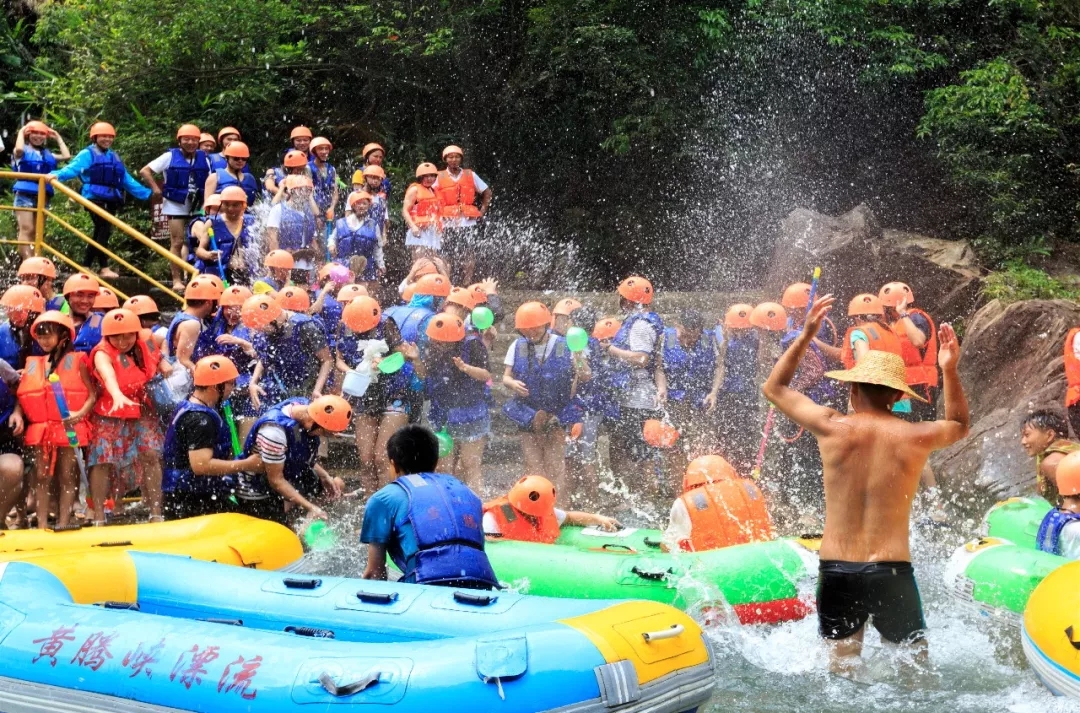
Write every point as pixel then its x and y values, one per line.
pixel 851 592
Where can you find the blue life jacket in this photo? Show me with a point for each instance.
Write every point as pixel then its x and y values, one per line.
pixel 89 334
pixel 57 302
pixel 218 162
pixel 361 241
pixel 597 394
pixel 550 382
pixel 205 343
pixel 689 371
pixel 377 211
pixel 324 187
pixel 1049 537
pixel 7 403
pixel 9 346
pixel 395 386
pixel 410 321
pixel 105 176
pixel 330 316
pixel 741 361
pixel 226 242
pixel 181 479
pixel 190 239
pixel 185 178
pixel 283 356
pixel 620 370
pixel 824 391
pixel 297 229
pixel 303 449
pixel 456 398
pixel 244 363
pixel 248 183
pixel 33 161
pixel 447 519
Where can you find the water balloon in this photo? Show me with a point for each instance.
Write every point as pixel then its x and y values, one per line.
pixel 446 443
pixel 392 363
pixel 318 536
pixel 577 339
pixel 483 317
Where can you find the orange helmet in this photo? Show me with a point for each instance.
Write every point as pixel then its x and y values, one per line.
pixel 189 130
pixel 452 149
pixel 895 292
pixel 81 282
pixel 424 266
pixel 321 141
pixel 331 412
pixel 295 159
pixel 106 300
pixel 214 280
pixel 865 304
pixel 796 296
pixel 204 137
pixel 232 194
pixel 55 317
pixel 368 148
pixel 23 297
pixel 120 321
pixel 636 289
pixel 374 170
pixel 101 128
pixel 408 292
pixel 358 196
pixel 479 296
pixel 738 316
pixel 1068 474
pixel 461 296
pixel 225 131
pixel 361 314
pixel 297 181
pixel 234 296
pixel 769 316
pixel 566 307
pixel 38 127
pixel 606 329
pixel 141 305
pixel 658 434
pixel 426 169
pixel 300 132
pixel 214 199
pixel 435 285
pixel 259 311
pixel 294 299
pixel 214 370
pixel 532 314
pixel 533 495
pixel 237 149
pixel 707 469
pixel 202 288
pixel 445 327
pixel 350 292
pixel 38 266
pixel 279 258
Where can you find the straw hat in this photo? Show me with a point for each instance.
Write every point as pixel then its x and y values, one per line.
pixel 877 367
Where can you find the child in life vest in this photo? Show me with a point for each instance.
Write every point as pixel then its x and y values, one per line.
pixel 127 435
pixel 1059 531
pixel 528 513
pixel 47 427
pixel 1044 437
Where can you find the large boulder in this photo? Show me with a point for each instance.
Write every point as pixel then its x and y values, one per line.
pixel 857 255
pixel 1012 364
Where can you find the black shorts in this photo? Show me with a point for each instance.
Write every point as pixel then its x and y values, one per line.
pixel 627 435
pixel 851 592
pixel 179 505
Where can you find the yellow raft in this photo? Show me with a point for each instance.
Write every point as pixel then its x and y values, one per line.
pixel 90 561
pixel 1051 631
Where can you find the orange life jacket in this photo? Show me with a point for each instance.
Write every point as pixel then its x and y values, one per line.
pixel 129 377
pixel 1072 369
pixel 514 524
pixel 921 363
pixel 425 208
pixel 881 338
pixel 458 198
pixel 725 513
pixel 43 422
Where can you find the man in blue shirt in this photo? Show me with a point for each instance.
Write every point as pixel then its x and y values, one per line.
pixel 429 524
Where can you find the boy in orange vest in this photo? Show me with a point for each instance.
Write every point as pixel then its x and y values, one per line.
pixel 528 513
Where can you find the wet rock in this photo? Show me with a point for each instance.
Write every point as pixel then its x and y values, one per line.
pixel 1012 364
pixel 857 255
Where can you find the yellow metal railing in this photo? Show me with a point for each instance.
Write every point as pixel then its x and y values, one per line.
pixel 40 246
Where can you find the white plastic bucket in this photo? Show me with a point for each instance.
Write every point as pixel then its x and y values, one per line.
pixel 355 383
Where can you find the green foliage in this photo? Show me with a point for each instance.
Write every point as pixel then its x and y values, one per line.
pixel 1017 281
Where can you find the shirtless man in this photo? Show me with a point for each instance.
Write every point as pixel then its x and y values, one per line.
pixel 872 461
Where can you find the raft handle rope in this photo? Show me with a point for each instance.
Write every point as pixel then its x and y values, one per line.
pixel 292 583
pixel 311 631
pixel 618 549
pixel 654 575
pixel 377 597
pixel 1069 636
pixel 349 689
pixel 650 542
pixel 670 633
pixel 229 622
pixel 476 600
pixel 128 606
pixel 122 543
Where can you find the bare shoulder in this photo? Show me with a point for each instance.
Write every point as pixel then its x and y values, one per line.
pixel 934 434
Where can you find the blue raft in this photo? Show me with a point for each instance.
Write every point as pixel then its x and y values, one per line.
pixel 205 637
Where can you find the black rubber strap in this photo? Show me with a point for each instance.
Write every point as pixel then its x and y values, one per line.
pixel 310 631
pixel 350 688
pixel 296 583
pixel 477 600
pixel 132 606
pixel 654 575
pixel 377 597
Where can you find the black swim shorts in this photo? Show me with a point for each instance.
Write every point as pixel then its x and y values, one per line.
pixel 851 592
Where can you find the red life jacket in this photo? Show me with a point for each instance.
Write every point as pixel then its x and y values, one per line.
pixel 425 208
pixel 43 422
pixel 881 338
pixel 514 524
pixel 921 363
pixel 1072 369
pixel 458 198
pixel 725 513
pixel 129 377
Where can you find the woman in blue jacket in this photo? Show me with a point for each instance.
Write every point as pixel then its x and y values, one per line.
pixel 31 155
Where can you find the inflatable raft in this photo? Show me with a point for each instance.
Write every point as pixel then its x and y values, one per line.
pixel 1016 520
pixel 760 581
pixel 90 562
pixel 202 637
pixel 1051 631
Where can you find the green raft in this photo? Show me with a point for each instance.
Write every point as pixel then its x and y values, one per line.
pixel 759 581
pixel 995 574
